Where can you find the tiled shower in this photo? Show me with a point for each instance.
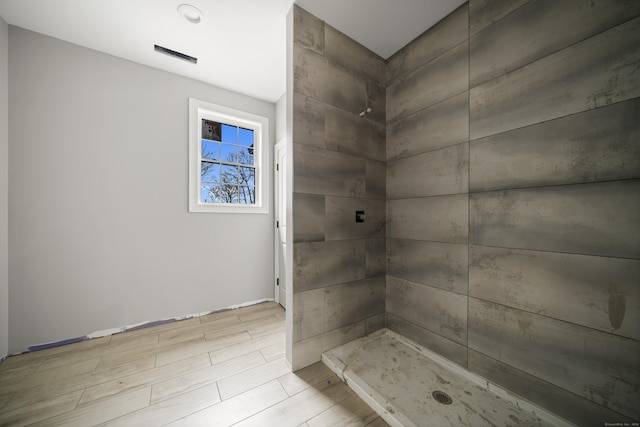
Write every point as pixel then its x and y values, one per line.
pixel 499 174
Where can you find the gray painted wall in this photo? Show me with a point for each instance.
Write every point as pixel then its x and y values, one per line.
pixel 100 236
pixel 281 118
pixel 4 188
pixel 338 168
pixel 513 199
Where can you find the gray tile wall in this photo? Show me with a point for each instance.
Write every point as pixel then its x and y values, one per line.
pixel 513 199
pixel 504 144
pixel 428 188
pixel 339 166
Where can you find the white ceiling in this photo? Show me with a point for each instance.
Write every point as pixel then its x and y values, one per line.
pixel 383 26
pixel 240 44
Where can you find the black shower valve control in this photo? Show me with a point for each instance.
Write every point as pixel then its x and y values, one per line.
pixel 360 217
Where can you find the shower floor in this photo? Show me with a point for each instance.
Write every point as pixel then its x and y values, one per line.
pixel 397 377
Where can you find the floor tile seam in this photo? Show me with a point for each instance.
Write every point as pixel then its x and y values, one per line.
pixel 151 349
pixel 120 393
pixel 73 362
pixel 264 409
pixel 121 375
pixel 169 375
pixel 7 407
pixel 72 388
pixel 259 342
pixel 124 376
pixel 349 396
pixel 331 377
pixel 205 384
pixel 16 360
pixel 207 349
pixel 204 328
pixel 188 352
pixel 221 401
pixel 263 334
pixel 53 416
pixel 268 380
pixel 217 337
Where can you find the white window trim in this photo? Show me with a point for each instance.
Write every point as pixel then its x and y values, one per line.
pixel 199 110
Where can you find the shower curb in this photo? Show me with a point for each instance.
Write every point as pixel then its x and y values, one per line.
pixel 342 360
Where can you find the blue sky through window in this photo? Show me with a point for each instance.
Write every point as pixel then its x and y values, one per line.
pixel 224 176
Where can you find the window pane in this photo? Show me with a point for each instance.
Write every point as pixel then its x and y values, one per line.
pixel 210 172
pixel 210 150
pixel 235 198
pixel 228 193
pixel 229 153
pixel 246 137
pixel 247 195
pixel 245 156
pixel 247 176
pixel 210 130
pixel 229 134
pixel 208 193
pixel 229 174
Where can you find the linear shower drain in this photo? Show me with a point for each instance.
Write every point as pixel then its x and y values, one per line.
pixel 442 397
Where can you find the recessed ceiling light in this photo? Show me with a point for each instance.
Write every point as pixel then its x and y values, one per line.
pixel 190 13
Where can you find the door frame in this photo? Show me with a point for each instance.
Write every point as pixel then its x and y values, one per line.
pixel 280 189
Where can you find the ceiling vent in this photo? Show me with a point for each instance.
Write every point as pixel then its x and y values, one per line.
pixel 175 54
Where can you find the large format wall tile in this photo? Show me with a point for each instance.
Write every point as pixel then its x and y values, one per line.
pixel 308 210
pixel 349 133
pixel 359 60
pixel 377 102
pixel 322 310
pixel 538 29
pixel 308 31
pixel 595 219
pixel 351 302
pixel 599 366
pixel 338 167
pixel 593 73
pixel 375 323
pixel 319 171
pixel 442 78
pixel 544 302
pixel 596 292
pixel 309 351
pixel 376 180
pixel 597 145
pixel 441 125
pixel 435 173
pixel 446 34
pixel 320 264
pixel 308 122
pixel 437 218
pixel 437 310
pixel 308 314
pixel 441 265
pixel 570 406
pixel 431 340
pixel 340 217
pixel 376 257
pixel 483 13
pixel 317 78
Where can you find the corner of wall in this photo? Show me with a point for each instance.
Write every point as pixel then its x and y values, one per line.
pixel 4 188
pixel 338 284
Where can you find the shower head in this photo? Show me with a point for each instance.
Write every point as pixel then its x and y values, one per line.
pixel 365 112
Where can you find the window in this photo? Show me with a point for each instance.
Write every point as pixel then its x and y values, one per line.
pixel 228 158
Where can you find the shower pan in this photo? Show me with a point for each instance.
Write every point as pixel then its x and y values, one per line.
pixel 409 385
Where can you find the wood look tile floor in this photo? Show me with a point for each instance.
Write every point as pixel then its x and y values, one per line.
pixel 223 369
